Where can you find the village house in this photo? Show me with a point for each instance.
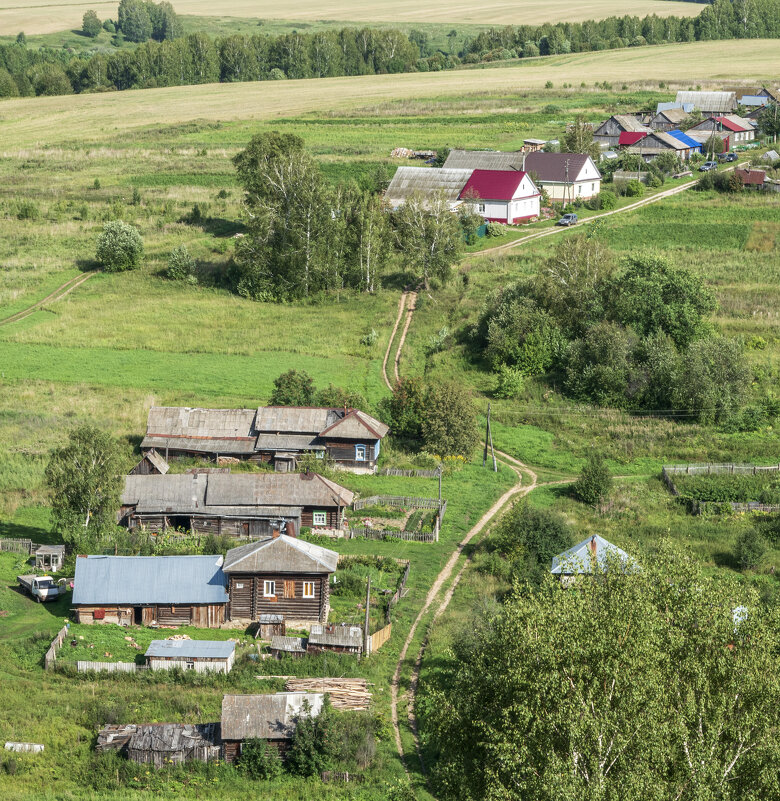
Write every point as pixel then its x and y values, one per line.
pixel 146 590
pixel 202 656
pixel 710 104
pixel 756 96
pixel 648 146
pixel 271 717
pixel 278 435
pixel 703 138
pixel 238 504
pixel 668 119
pixel 162 744
pixel 281 576
pixel 608 133
pixel 425 181
pixel 564 176
pixel 738 129
pixel 593 553
pixel 751 177
pixel 505 197
pixel 49 557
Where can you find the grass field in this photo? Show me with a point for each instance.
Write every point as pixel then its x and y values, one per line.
pixel 101 117
pixel 33 16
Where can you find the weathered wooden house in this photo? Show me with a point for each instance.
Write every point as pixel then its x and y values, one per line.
pixel 330 637
pixel 241 505
pixel 49 557
pixel 668 119
pixel 281 576
pixel 608 133
pixel 271 717
pixel 426 181
pixel 592 555
pixel 738 129
pixel 151 464
pixel 166 590
pixel 270 626
pixel 709 104
pixel 202 656
pixel 294 647
pixel 653 144
pixel 162 744
pixel 564 176
pixel 751 178
pixel 278 435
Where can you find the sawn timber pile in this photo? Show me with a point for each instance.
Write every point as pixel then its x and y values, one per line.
pixel 351 694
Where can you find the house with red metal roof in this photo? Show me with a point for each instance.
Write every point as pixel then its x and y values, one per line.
pixel 739 129
pixel 656 142
pixel 755 179
pixel 502 196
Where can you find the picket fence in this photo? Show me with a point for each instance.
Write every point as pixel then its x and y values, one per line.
pixel 51 655
pixel 385 534
pixel 396 471
pixel 401 501
pixel 18 546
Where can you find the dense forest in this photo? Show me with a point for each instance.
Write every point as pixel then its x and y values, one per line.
pixel 164 58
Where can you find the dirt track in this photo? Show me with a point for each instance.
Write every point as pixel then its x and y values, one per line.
pixel 57 294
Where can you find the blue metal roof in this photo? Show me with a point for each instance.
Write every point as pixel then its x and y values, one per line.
pixel 188 649
pixel 139 580
pixel 754 100
pixel 686 107
pixel 685 139
pixel 581 557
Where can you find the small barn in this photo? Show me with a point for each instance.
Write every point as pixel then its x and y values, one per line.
pixel 281 576
pixel 608 133
pixel 161 590
pixel 270 626
pixel 594 554
pixel 709 103
pixel 287 646
pixel 49 558
pixel 426 181
pixel 202 656
pixel 271 717
pixel 151 464
pixel 162 744
pixel 751 177
pixel 330 637
pixel 502 196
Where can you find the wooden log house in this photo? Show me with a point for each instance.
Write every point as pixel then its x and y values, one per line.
pixel 162 590
pixel 281 575
pixel 277 435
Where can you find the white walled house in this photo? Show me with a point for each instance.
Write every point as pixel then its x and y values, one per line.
pixel 202 656
pixel 501 196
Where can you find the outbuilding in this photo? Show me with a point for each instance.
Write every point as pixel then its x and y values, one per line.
pixel 49 558
pixel 499 196
pixel 151 464
pixel 202 656
pixel 425 181
pixel 710 104
pixel 162 744
pixel 608 133
pixel 593 554
pixel 330 637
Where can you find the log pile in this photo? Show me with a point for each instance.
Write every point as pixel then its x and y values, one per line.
pixel 351 694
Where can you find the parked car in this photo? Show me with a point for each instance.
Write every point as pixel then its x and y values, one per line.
pixel 708 165
pixel 567 219
pixel 728 157
pixel 42 588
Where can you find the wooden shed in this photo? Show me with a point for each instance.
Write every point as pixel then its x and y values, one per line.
pixel 49 557
pixel 162 744
pixel 270 626
pixel 151 464
pixel 287 646
pixel 280 576
pixel 271 717
pixel 162 590
pixel 202 656
pixel 341 639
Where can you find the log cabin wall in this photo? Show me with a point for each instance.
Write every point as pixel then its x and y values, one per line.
pixel 344 451
pixel 332 516
pixel 248 602
pixel 200 615
pixel 231 749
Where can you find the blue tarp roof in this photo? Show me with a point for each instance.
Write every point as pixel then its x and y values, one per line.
pixel 183 649
pixel 149 580
pixel 685 139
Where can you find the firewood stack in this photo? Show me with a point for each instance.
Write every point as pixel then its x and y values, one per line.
pixel 351 694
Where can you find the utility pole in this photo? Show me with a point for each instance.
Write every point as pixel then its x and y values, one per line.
pixel 366 638
pixel 568 187
pixel 489 439
pixel 441 467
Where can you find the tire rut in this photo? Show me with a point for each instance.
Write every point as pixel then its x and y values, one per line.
pixel 59 293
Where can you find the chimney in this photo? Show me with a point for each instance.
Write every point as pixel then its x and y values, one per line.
pixel 290 529
pixel 592 546
pixel 274 533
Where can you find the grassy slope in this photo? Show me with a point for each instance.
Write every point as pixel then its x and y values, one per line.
pixel 100 116
pixel 34 16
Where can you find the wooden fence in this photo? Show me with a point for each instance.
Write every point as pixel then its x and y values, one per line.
pixel 396 597
pixel 698 507
pixel 395 471
pixel 385 534
pixel 51 655
pixel 401 501
pixel 379 638
pixel 107 667
pixel 341 776
pixel 18 546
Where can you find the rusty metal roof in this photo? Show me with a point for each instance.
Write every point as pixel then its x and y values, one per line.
pixel 268 717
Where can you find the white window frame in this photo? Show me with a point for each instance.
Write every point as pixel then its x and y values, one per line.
pixel 360 449
pixel 308 589
pixel 319 518
pixel 269 584
pixel 319 454
pixel 480 208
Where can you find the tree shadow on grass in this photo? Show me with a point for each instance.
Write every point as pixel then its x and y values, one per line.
pixel 21 531
pixel 726 559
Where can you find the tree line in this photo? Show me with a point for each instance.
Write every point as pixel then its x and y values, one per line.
pixel 176 60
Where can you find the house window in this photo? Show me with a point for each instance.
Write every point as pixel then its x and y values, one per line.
pixel 481 208
pixel 593 187
pixel 319 454
pixel 320 518
pixel 190 666
pixel 308 589
pixel 269 589
pixel 360 453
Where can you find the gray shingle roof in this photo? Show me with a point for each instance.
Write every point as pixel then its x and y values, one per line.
pixel 343 636
pixel 722 102
pixel 269 717
pixel 199 649
pixel 149 580
pixel 281 554
pixel 158 461
pixel 425 180
pixel 290 645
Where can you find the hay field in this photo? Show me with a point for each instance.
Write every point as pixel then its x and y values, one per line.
pixel 33 16
pixel 90 117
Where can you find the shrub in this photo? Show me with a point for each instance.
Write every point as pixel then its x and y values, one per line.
pixel 449 425
pixel 549 85
pixel 259 760
pixel 28 211
pixel 594 482
pixel 607 200
pixel 750 548
pixel 119 247
pixel 634 188
pixel 495 229
pixel 277 75
pixel 293 388
pixel 510 382
pixel 90 24
pixel 181 266
pixel 311 744
pixel 109 26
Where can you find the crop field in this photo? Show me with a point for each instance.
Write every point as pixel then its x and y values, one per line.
pixel 96 117
pixel 33 16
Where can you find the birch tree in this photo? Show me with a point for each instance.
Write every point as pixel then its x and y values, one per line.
pixel 84 477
